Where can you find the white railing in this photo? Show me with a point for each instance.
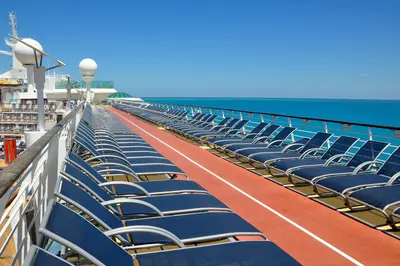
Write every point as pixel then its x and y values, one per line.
pixel 27 185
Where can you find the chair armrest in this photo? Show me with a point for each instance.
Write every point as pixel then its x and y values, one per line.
pixel 334 157
pixel 361 166
pixel 308 152
pixel 125 183
pixel 132 201
pixel 292 145
pixel 147 229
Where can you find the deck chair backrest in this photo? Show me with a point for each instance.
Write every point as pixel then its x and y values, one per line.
pixel 210 118
pixel 316 141
pixel 240 124
pixel 282 135
pixel 367 152
pixel 340 146
pixel 391 165
pixel 84 180
pixel 81 164
pixel 259 128
pixel 223 121
pixel 195 116
pixel 72 194
pixel 82 235
pixel 269 130
pixel 232 122
pixel 39 257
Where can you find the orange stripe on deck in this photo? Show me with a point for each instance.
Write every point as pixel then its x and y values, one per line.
pixel 314 235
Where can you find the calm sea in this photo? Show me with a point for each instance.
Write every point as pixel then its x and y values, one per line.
pixel 378 112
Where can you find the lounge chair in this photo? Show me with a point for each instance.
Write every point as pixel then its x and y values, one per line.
pixel 146 205
pixel 225 133
pixel 188 130
pixel 342 185
pixel 196 134
pixel 188 228
pixel 268 141
pixel 121 188
pixel 382 198
pixel 369 151
pixel 100 249
pixel 340 147
pixel 251 136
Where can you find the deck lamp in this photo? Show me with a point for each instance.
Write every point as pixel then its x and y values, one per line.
pixel 30 53
pixel 87 68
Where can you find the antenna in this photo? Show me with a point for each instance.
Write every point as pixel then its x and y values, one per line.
pixel 13 24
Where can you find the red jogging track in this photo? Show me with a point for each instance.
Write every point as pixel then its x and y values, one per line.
pixel 310 232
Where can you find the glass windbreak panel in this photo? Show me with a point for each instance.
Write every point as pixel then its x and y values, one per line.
pixel 96 84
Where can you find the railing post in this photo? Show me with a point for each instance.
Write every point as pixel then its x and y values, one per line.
pixel 290 125
pixel 262 118
pixel 326 131
pixel 369 133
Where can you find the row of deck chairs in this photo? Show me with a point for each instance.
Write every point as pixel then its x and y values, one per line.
pixel 159 222
pixel 359 179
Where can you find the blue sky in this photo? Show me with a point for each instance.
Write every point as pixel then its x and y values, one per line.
pixel 308 48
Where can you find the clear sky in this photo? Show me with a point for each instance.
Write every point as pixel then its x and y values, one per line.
pixel 280 48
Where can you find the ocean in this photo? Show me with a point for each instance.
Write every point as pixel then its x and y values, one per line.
pixel 377 112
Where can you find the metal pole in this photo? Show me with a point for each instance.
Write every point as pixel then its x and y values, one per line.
pixel 39 76
pixel 88 92
pixel 69 87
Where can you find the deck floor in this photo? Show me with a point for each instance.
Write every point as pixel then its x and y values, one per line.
pixel 312 233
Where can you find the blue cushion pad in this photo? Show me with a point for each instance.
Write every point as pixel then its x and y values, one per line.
pixel 191 226
pixel 311 172
pixel 261 149
pixel 340 183
pixel 245 253
pixel 263 157
pixel 286 164
pixel 378 196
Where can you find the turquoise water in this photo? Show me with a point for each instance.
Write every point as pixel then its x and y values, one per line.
pixel 378 112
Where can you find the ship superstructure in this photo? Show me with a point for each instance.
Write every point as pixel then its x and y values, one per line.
pixel 18 110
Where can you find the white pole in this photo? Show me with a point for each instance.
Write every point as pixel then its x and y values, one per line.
pixel 39 76
pixel 88 92
pixel 69 87
pixel 30 79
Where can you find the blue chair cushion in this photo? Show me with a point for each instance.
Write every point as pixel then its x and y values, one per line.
pixel 286 164
pixel 263 157
pixel 254 253
pixel 341 183
pixel 311 172
pixel 378 197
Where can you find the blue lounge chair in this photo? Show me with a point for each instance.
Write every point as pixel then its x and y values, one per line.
pixel 189 228
pixel 342 185
pixel 340 147
pixel 128 207
pixel 96 246
pixel 380 198
pixel 369 151
pixel 204 123
pixel 218 126
pixel 269 141
pixel 251 136
pixel 140 187
pixel 199 133
pixel 113 162
pixel 225 133
pixel 270 155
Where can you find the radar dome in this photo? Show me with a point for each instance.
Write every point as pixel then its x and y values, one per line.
pixel 26 54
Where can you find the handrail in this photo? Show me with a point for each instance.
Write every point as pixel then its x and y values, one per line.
pixel 15 169
pixel 286 116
